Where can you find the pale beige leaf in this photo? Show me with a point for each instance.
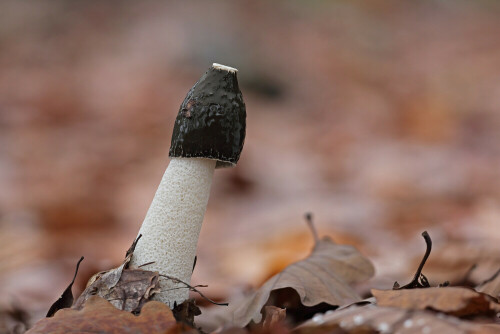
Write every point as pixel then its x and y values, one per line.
pixel 491 286
pixel 371 318
pixel 323 277
pixel 457 301
pixel 133 289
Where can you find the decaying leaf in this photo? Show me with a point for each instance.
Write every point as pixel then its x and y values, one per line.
pixel 14 319
pixel 66 299
pixel 99 316
pixel 126 289
pixel 377 319
pixel 108 279
pixel 491 286
pixel 455 301
pixel 453 260
pixel 273 315
pixel 322 277
pixel 133 289
pixel 186 311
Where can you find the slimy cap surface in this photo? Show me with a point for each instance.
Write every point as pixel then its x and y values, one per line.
pixel 211 122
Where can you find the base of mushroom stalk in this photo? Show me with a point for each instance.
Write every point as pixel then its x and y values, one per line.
pixel 172 225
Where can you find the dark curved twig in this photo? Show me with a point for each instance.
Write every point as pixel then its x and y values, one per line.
pixel 419 280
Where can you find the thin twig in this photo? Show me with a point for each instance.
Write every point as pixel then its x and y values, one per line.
pixel 146 264
pixel 193 288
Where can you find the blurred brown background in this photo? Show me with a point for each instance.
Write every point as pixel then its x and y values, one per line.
pixel 381 117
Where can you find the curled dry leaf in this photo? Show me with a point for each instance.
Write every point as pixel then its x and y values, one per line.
pixel 126 289
pixel 99 316
pixel 66 299
pixel 322 277
pixel 186 311
pixel 273 315
pixel 133 289
pixel 371 318
pixel 102 282
pixel 454 260
pixel 491 286
pixel 455 301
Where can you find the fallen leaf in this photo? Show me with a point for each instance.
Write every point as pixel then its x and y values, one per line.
pixel 133 289
pixel 66 299
pixel 126 289
pixel 455 301
pixel 99 316
pixel 322 277
pixel 453 261
pixel 378 319
pixel 278 328
pixel 491 286
pixel 14 319
pixel 108 279
pixel 273 315
pixel 186 311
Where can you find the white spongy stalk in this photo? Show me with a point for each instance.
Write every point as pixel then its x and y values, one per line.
pixel 224 68
pixel 172 225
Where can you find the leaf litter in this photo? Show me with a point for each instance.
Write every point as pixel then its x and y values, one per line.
pixel 321 283
pixel 325 276
pixel 126 289
pixel 457 301
pixel 100 316
pixel 380 319
pixel 491 286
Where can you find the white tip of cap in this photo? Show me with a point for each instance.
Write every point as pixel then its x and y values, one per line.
pixel 224 68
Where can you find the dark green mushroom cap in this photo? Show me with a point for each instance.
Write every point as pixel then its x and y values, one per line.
pixel 212 119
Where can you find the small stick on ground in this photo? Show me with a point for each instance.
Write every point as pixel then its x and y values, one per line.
pixel 146 264
pixel 193 288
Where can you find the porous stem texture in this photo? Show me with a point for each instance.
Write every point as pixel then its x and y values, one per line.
pixel 172 225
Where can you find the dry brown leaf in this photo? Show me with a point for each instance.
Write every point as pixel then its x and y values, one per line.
pixel 453 262
pixel 186 311
pixel 455 301
pixel 377 319
pixel 126 289
pixel 99 316
pixel 491 286
pixel 66 299
pixel 323 277
pixel 273 315
pixel 133 289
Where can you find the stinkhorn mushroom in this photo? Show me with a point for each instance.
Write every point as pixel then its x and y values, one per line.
pixel 209 132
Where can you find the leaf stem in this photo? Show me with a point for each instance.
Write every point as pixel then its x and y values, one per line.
pixel 309 219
